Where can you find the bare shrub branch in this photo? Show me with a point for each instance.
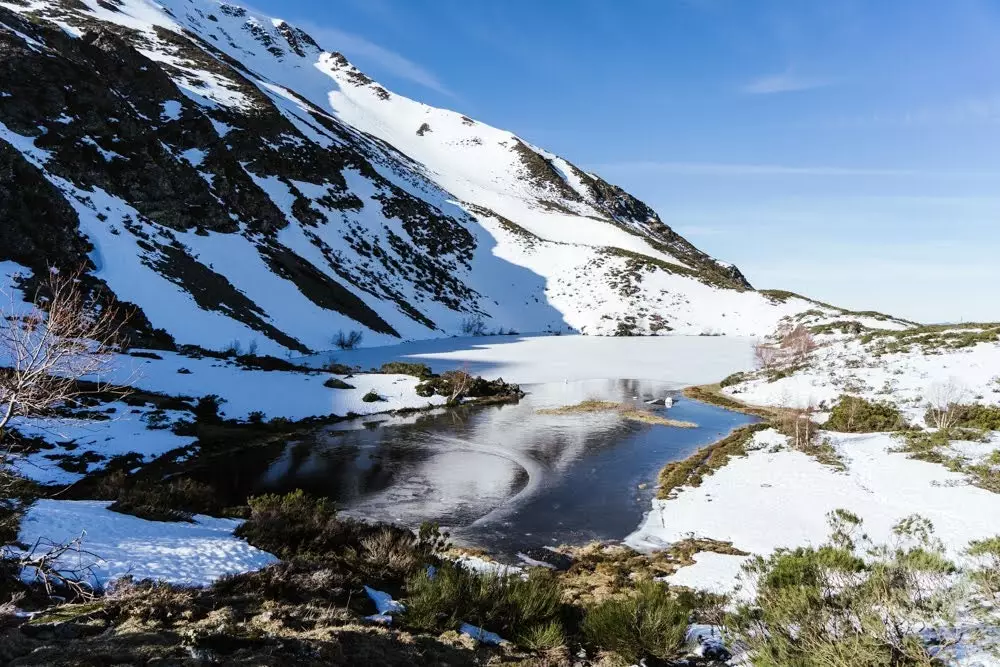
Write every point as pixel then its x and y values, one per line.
pixel 943 399
pixel 799 341
pixel 66 335
pixel 765 356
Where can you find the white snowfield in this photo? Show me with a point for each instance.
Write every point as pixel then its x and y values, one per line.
pixel 193 554
pixel 777 497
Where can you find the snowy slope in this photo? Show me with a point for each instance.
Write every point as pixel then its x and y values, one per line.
pixel 237 182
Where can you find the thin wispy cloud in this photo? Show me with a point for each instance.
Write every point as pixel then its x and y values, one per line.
pixel 742 169
pixel 362 50
pixel 967 111
pixel 781 83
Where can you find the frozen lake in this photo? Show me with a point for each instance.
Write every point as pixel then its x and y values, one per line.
pixel 500 477
pixel 533 359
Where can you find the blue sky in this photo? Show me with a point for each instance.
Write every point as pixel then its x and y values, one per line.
pixel 845 149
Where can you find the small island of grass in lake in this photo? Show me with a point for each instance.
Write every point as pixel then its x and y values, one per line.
pixel 625 410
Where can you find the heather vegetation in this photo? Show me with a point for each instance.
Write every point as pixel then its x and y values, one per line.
pixel 853 414
pixel 853 602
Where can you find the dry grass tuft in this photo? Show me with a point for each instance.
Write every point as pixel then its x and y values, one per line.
pixel 625 410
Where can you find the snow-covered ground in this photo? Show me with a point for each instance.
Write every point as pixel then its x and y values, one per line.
pixel 177 552
pixel 844 365
pixel 779 497
pixel 290 394
pixel 94 441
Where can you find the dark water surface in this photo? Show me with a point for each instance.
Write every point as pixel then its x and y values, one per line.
pixel 503 477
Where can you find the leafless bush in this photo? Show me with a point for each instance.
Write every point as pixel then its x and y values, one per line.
pixel 66 335
pixel 797 423
pixel 473 326
pixel 58 567
pixel 943 399
pixel 348 341
pixel 765 356
pixel 799 341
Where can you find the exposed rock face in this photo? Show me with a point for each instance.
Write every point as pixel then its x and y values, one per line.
pixel 172 153
pixel 37 223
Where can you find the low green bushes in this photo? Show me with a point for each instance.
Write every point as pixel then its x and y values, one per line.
pixel 525 611
pixel 406 368
pixel 301 527
pixel 650 622
pixel 176 500
pixel 294 525
pixel 822 606
pixel 733 379
pixel 978 416
pixel 853 414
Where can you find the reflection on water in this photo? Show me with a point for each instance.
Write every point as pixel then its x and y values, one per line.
pixel 500 477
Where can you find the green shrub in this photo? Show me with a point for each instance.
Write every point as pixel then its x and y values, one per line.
pixel 337 383
pixel 544 636
pixel 853 414
pixel 298 526
pixel 525 611
pixel 206 411
pixel 978 416
pixel 735 378
pixel 649 623
pixel 822 606
pixel 294 524
pixel 372 397
pixel 986 576
pixel 406 368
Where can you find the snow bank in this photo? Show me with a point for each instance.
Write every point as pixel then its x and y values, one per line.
pixel 844 365
pixel 123 431
pixel 290 394
pixel 771 499
pixel 177 552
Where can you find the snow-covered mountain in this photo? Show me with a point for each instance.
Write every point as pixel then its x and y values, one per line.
pixel 237 182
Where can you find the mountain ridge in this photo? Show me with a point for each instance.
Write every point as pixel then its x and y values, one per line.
pixel 236 182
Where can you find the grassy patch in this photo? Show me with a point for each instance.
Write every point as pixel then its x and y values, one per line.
pixel 625 410
pixel 709 393
pixel 733 379
pixel 692 470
